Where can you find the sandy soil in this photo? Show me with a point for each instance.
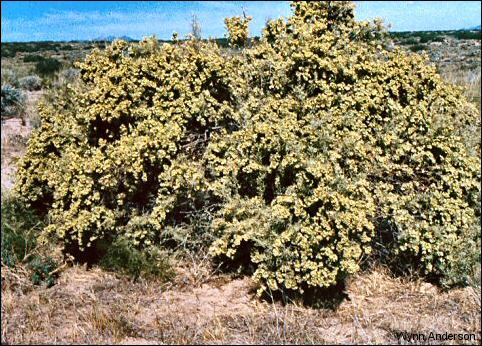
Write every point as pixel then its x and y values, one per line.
pixel 15 133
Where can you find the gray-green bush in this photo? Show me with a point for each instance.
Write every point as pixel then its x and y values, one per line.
pixel 12 101
pixel 30 83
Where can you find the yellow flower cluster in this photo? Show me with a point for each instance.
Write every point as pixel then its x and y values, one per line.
pixel 238 30
pixel 304 152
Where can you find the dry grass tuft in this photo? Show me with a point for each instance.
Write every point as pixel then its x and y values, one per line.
pixel 396 304
pixel 468 79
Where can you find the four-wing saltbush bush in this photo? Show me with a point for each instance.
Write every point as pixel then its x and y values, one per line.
pixel 238 30
pixel 304 152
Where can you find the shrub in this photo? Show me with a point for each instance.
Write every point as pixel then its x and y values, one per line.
pixel 13 101
pixel 150 262
pixel 69 75
pixel 30 83
pixel 43 271
pixel 47 67
pixel 238 30
pixel 33 58
pixel 418 47
pixel 302 153
pixel 273 29
pixel 158 143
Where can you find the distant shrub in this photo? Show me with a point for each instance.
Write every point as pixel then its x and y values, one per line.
pixel 33 58
pixel 427 36
pixel 467 35
pixel 48 67
pixel 11 48
pixel 301 154
pixel 222 42
pixel 418 47
pixel 424 39
pixel 401 34
pixel 7 52
pixel 13 101
pixel 438 39
pixel 31 83
pixel 411 40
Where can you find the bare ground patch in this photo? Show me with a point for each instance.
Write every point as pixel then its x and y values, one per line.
pixel 15 134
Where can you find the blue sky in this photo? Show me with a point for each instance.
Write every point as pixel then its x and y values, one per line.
pixel 78 20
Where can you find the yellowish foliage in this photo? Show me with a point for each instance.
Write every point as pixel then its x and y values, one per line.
pixel 304 152
pixel 238 29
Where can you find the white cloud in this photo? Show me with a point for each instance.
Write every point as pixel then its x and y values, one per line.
pixel 67 25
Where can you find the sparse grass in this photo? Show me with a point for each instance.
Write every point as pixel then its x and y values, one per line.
pixel 15 134
pixel 15 69
pixel 92 306
pixel 19 229
pixel 468 79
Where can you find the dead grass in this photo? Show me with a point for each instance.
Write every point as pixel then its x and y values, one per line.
pixel 94 306
pixel 468 79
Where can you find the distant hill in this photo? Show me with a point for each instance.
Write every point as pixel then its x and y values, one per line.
pixel 112 38
pixel 472 28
